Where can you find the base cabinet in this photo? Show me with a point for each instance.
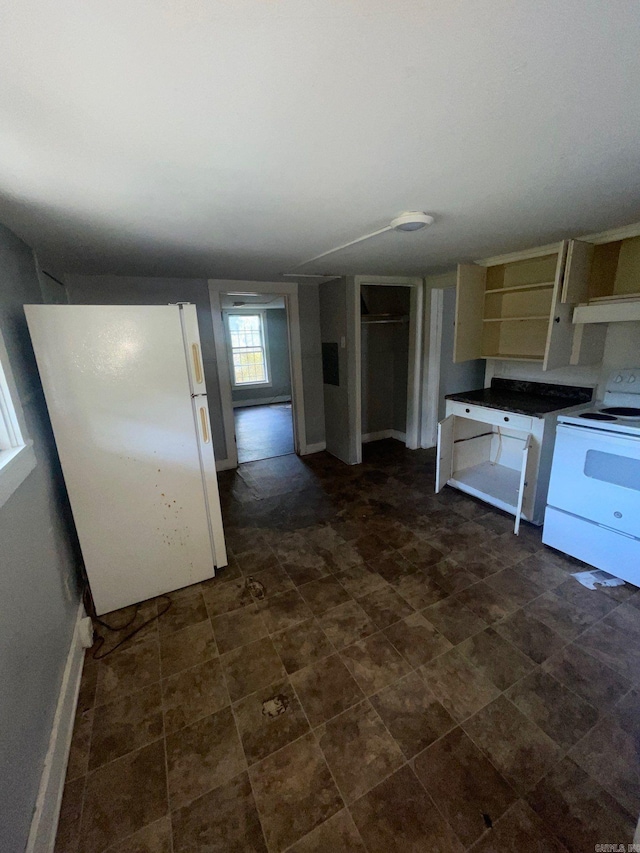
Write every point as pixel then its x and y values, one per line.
pixel 500 457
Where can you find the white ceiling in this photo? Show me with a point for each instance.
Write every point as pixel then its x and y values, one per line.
pixel 235 138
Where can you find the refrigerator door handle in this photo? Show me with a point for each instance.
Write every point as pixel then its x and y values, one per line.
pixel 197 363
pixel 204 424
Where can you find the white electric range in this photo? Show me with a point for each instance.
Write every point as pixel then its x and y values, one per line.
pixel 593 503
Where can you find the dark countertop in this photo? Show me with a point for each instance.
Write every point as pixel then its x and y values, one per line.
pixel 525 398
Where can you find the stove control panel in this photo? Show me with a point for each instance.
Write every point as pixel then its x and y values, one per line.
pixel 625 381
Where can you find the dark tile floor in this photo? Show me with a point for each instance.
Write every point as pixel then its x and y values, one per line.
pixel 263 432
pixel 378 669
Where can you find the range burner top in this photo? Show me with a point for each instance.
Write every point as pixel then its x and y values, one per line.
pixel 597 416
pixel 622 411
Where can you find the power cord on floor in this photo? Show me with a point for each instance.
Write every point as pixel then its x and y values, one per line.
pixel 100 640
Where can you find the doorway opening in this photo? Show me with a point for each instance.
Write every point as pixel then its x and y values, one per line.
pixel 257 334
pixel 257 337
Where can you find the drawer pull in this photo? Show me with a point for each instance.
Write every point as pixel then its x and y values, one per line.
pixel 506 419
pixel 467 410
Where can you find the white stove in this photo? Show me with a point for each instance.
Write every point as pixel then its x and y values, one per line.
pixel 619 410
pixel 593 503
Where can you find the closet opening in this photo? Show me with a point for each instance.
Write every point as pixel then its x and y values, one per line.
pixel 387 355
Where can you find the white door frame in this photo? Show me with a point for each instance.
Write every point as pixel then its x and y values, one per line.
pixel 412 440
pixel 289 290
pixel 432 391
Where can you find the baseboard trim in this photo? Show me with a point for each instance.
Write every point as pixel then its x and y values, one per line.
pixel 224 465
pixel 383 433
pixel 266 401
pixel 314 448
pixel 42 836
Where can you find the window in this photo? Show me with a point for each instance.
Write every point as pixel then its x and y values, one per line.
pixel 17 458
pixel 249 351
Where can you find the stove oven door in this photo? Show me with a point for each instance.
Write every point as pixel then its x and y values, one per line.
pixel 596 475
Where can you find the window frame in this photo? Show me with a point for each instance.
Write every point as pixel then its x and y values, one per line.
pixel 248 311
pixel 17 457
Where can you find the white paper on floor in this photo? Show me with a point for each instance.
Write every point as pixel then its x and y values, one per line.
pixel 596 577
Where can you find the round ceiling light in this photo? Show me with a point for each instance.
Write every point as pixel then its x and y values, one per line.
pixel 412 221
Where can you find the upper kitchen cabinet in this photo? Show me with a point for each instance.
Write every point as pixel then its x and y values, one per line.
pixel 610 290
pixel 511 308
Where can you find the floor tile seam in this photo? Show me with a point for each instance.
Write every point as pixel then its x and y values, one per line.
pixel 521 798
pixel 132 834
pixel 190 802
pixel 592 625
pixel 111 761
pixel 632 817
pixel 85 782
pixel 487 758
pixel 191 666
pixel 405 762
pixel 346 809
pixel 253 791
pixel 534 665
pixel 140 746
pixel 547 772
pixel 316 739
pixel 564 750
pixel 598 781
pixel 526 797
pixel 439 811
pixel 245 642
pixel 128 694
pixel 574 693
pixel 226 684
pixel 440 634
pixel 86 770
pixel 196 719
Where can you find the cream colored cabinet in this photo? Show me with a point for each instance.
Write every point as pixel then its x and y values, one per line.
pixel 512 308
pixel 610 290
pixel 500 457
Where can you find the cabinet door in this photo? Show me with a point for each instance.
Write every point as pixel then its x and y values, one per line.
pixel 523 482
pixel 560 330
pixel 575 286
pixel 470 287
pixel 444 462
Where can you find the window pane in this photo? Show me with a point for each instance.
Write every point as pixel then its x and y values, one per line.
pixel 247 345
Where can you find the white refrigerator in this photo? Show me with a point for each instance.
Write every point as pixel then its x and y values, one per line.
pixel 126 394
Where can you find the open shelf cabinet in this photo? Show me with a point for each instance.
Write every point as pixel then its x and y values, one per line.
pixel 510 309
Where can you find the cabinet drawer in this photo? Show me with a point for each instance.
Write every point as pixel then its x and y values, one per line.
pixel 490 416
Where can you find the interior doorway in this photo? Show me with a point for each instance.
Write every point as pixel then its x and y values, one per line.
pixel 257 338
pixel 257 334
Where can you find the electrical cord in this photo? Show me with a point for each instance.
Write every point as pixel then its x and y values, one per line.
pixel 499 448
pixel 100 640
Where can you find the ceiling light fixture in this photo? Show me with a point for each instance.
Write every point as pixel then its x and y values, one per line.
pixel 412 220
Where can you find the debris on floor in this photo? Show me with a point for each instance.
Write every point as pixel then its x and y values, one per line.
pixel 596 577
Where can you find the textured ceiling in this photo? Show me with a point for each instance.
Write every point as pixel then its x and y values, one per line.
pixel 235 138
